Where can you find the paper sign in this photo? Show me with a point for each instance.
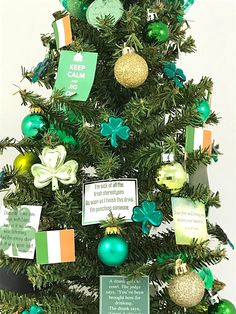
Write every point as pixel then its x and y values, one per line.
pixel 189 220
pixel 56 246
pixel 101 197
pixel 17 230
pixel 120 296
pixel 76 73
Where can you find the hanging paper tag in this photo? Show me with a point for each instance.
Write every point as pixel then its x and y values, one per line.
pixel 17 230
pixel 76 73
pixel 101 197
pixel 62 31
pixel 119 295
pixel 189 221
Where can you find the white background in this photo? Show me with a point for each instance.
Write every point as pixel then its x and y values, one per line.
pixel 213 27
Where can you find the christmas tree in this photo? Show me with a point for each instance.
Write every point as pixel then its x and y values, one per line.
pixel 109 187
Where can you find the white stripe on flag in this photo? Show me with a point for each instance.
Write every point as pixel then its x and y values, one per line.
pixel 61 33
pixel 198 138
pixel 54 246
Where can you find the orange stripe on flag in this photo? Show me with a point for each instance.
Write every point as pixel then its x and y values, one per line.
pixel 207 143
pixel 67 239
pixel 67 28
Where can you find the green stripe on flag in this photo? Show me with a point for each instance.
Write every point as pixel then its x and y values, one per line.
pixel 55 29
pixel 41 247
pixel 189 144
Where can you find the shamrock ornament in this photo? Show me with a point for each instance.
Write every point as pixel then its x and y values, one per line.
pixel 148 214
pixel 53 168
pixel 17 234
pixel 41 69
pixel 206 274
pixel 177 75
pixel 34 309
pixel 113 129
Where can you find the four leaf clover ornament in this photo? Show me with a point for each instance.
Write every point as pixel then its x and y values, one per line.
pixel 18 220
pixel 148 214
pixel 177 75
pixel 53 168
pixel 115 128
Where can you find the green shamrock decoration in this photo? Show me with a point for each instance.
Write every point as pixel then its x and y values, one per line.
pixel 35 309
pixel 41 69
pixel 17 234
pixel 148 214
pixel 113 129
pixel 206 274
pixel 177 75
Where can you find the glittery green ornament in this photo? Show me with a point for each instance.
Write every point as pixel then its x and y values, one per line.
pixel 223 307
pixel 76 8
pixel 157 32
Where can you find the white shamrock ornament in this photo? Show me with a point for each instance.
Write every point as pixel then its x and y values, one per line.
pixel 53 168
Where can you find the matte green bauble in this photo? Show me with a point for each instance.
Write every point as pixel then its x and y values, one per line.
pixel 76 8
pixel 223 307
pixel 157 32
pixel 24 162
pixel 171 177
pixel 204 109
pixel 34 126
pixel 112 250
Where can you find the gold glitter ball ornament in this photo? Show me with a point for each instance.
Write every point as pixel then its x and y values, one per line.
pixel 186 290
pixel 131 70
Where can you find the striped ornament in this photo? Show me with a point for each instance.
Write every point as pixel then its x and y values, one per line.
pixel 62 31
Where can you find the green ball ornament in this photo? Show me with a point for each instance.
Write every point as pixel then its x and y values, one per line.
pixel 223 307
pixel 204 109
pixel 76 8
pixel 112 250
pixel 171 177
pixel 34 126
pixel 157 32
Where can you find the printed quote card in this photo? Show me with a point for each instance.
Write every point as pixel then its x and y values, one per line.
pixel 101 197
pixel 76 73
pixel 17 230
pixel 119 295
pixel 189 221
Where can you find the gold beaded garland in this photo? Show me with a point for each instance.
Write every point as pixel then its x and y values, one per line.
pixel 186 290
pixel 131 70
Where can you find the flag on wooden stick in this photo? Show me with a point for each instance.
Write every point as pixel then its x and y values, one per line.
pixel 198 138
pixel 62 31
pixel 55 246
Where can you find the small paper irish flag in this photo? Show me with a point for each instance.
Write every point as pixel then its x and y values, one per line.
pixel 197 138
pixel 62 31
pixel 55 246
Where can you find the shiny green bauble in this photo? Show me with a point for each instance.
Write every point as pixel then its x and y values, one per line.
pixel 112 250
pixel 34 126
pixel 24 162
pixel 223 307
pixel 76 8
pixel 171 177
pixel 204 109
pixel 157 32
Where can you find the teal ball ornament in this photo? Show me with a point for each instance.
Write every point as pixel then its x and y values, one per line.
pixel 204 109
pixel 34 126
pixel 223 307
pixel 112 250
pixel 157 32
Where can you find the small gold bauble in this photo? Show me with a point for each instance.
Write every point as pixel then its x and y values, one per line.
pixel 24 162
pixel 131 70
pixel 186 290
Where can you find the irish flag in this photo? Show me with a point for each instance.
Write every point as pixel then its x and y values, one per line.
pixel 55 246
pixel 197 138
pixel 62 31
